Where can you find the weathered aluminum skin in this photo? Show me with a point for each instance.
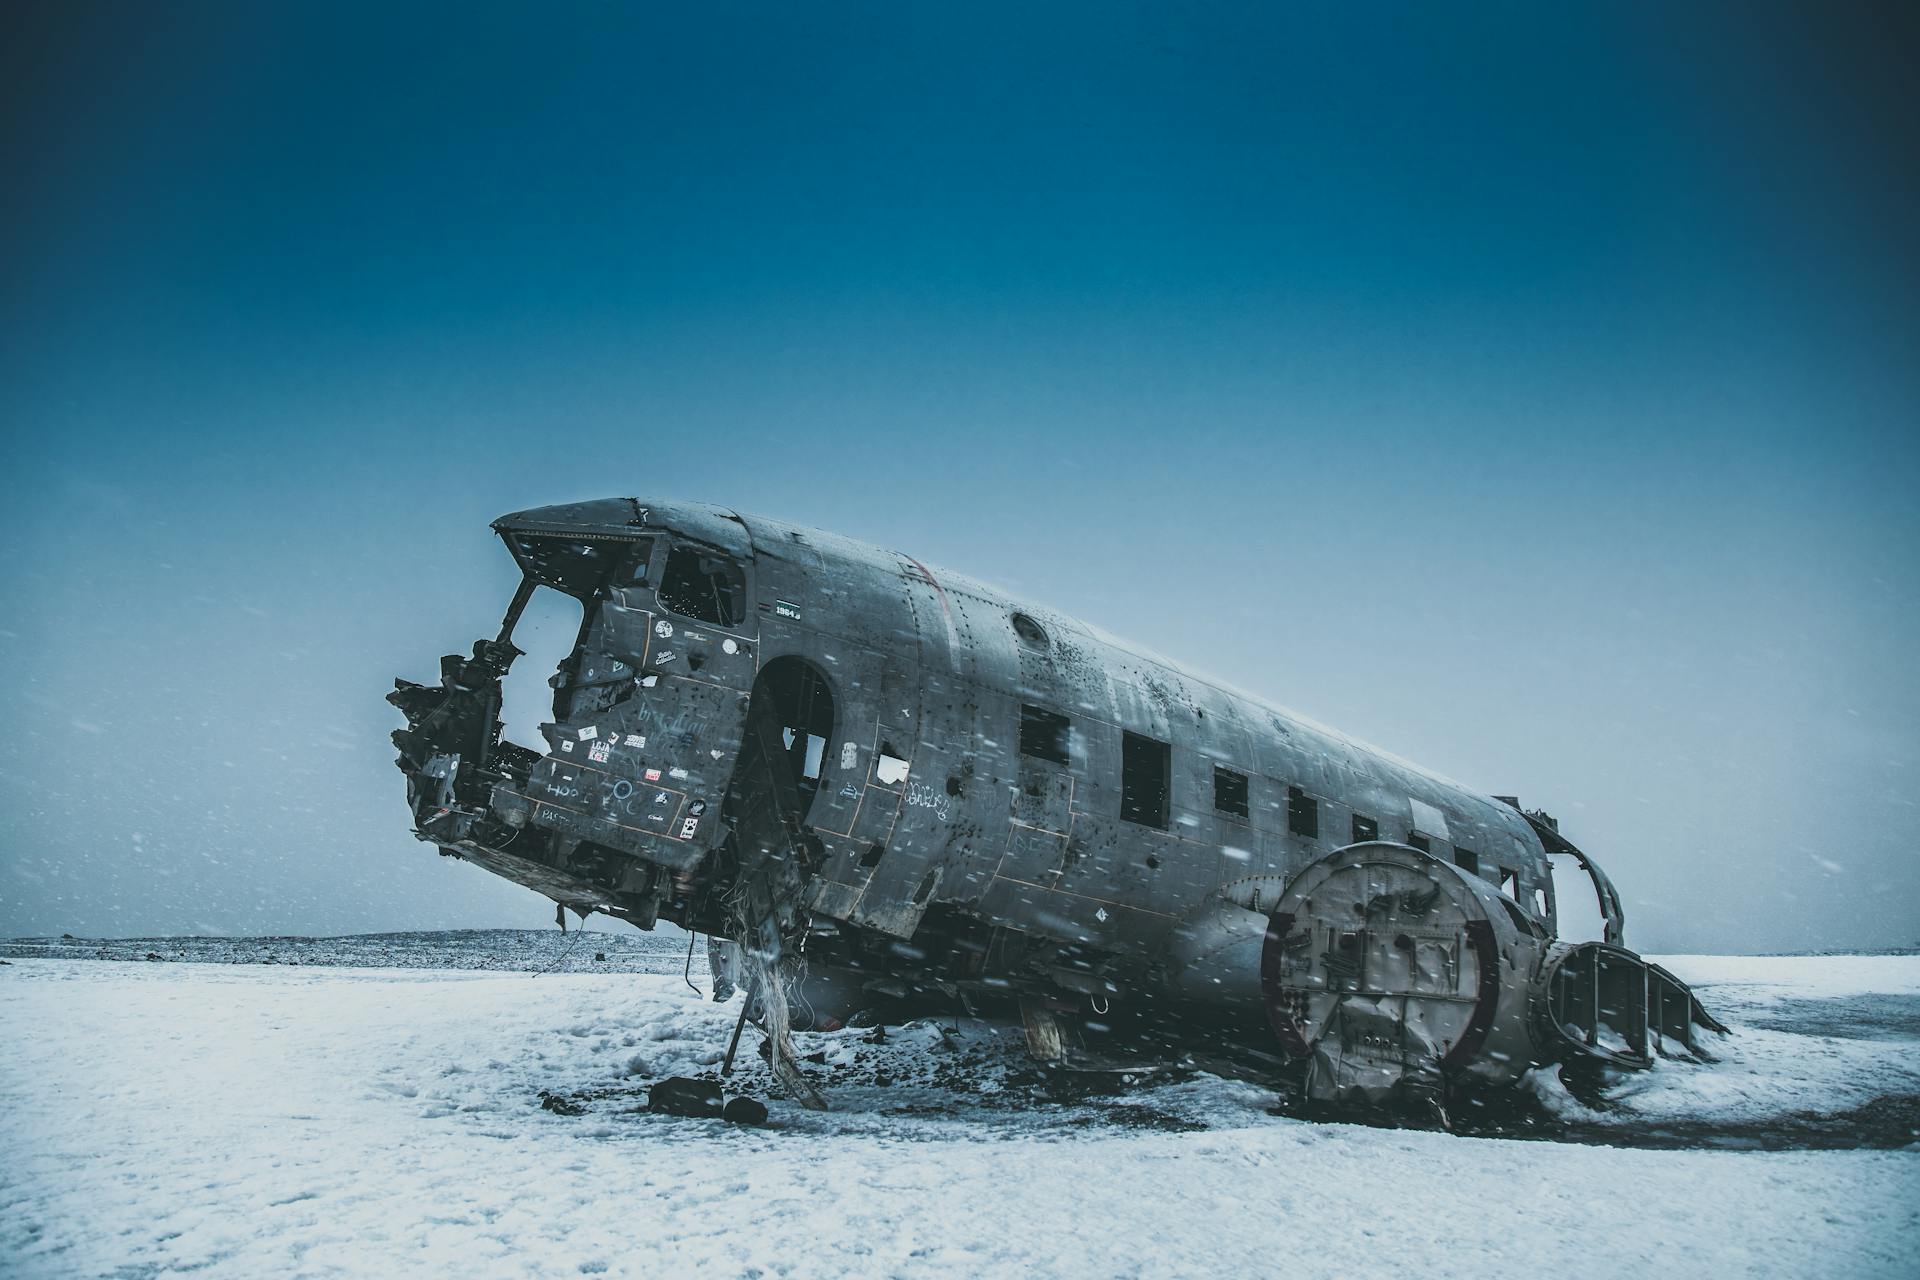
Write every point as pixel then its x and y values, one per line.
pixel 649 787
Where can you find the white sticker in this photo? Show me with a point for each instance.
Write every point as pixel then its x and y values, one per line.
pixel 663 628
pixel 598 752
pixel 589 733
pixel 677 773
pixel 567 745
pixel 636 740
pixel 888 770
pixel 850 755
pixel 688 828
pixel 729 645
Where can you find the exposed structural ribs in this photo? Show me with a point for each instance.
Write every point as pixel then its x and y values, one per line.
pixel 1608 1004
pixel 1612 914
pixel 1392 975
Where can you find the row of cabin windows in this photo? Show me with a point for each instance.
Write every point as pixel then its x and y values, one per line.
pixel 1146 767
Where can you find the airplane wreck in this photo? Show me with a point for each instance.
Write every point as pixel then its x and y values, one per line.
pixel 881 784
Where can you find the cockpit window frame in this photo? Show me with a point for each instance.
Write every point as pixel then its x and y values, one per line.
pixel 740 594
pixel 643 561
pixel 532 558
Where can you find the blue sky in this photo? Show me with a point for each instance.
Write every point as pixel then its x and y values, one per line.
pixel 1532 393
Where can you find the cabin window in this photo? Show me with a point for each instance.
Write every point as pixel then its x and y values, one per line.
pixel 1510 882
pixel 1230 791
pixel 1303 814
pixel 1043 734
pixel 1364 829
pixel 1145 765
pixel 705 587
pixel 1419 842
pixel 1031 633
pixel 1467 860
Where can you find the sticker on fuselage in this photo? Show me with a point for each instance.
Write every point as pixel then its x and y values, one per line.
pixel 786 609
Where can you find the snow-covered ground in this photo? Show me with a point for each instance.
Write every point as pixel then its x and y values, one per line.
pixel 528 950
pixel 245 1120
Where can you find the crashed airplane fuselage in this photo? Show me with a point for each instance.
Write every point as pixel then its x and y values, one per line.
pixel 804 744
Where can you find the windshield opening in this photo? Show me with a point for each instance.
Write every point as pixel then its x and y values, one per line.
pixel 545 633
pixel 578 566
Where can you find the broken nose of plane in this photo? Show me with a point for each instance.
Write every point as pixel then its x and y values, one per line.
pixel 611 516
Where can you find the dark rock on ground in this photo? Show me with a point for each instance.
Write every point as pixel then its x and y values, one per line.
pixel 745 1111
pixel 680 1096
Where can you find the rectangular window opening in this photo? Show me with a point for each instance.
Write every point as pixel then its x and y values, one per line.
pixel 1419 842
pixel 1044 734
pixel 1364 829
pixel 703 586
pixel 1467 860
pixel 1303 814
pixel 1145 767
pixel 1510 883
pixel 1229 791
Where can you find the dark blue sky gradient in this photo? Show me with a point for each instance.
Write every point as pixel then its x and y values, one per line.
pixel 1533 393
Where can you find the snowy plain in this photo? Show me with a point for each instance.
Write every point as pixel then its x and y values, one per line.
pixel 244 1119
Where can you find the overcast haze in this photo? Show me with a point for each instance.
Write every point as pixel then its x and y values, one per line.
pixel 1532 394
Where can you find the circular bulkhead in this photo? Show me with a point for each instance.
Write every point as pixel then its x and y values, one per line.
pixel 1390 971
